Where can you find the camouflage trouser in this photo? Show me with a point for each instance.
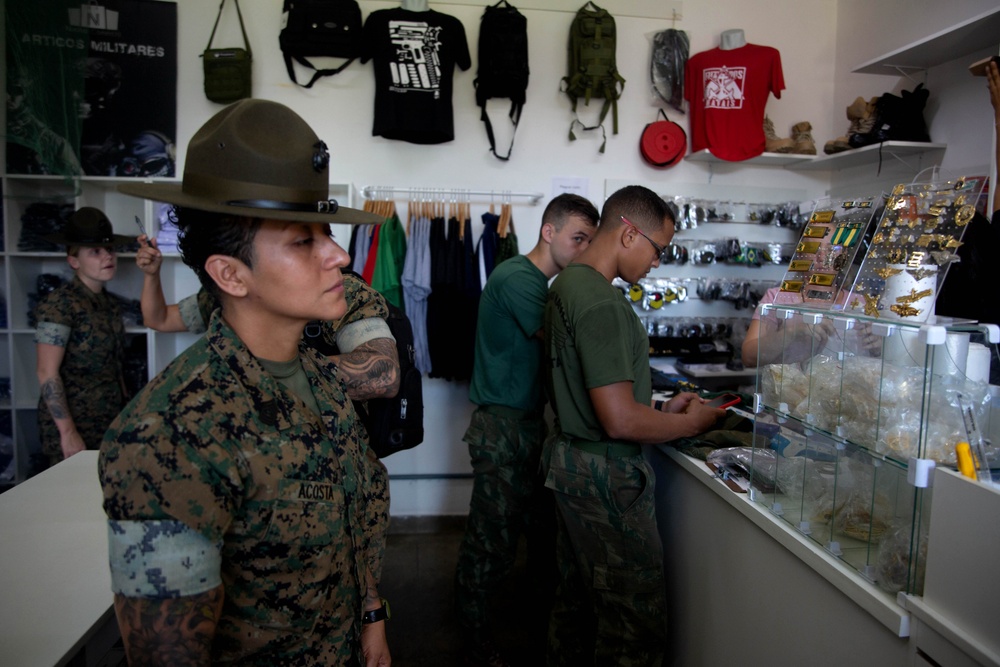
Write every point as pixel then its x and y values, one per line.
pixel 610 605
pixel 508 499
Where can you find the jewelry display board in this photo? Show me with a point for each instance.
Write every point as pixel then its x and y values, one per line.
pixel 915 243
pixel 821 265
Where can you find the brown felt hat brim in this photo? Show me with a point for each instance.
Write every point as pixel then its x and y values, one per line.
pixel 173 193
pixel 259 159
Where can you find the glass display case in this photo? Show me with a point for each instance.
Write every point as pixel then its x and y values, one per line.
pixel 854 405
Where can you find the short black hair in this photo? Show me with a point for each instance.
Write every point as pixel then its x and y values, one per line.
pixel 204 233
pixel 563 206
pixel 641 206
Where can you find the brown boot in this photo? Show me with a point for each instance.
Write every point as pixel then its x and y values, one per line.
pixel 803 139
pixel 772 142
pixel 862 116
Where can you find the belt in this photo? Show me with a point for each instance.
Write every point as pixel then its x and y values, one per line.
pixel 611 450
pixel 511 413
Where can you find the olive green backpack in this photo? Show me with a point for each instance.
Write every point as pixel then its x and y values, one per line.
pixel 592 69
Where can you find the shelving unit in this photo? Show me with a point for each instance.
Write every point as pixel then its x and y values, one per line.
pixel 762 160
pixel 887 150
pixel 974 34
pixel 19 272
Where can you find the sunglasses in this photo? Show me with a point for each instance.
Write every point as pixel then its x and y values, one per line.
pixel 661 252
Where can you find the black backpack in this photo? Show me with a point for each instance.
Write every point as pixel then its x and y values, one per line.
pixel 329 28
pixel 593 70
pixel 396 423
pixel 503 64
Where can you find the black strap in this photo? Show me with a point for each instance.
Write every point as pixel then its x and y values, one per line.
pixel 318 73
pixel 242 28
pixel 515 117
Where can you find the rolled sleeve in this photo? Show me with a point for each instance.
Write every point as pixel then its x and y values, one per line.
pixel 51 333
pixel 161 559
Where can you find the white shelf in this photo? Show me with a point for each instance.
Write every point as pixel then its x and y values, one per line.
pixel 764 159
pixel 961 39
pixel 868 155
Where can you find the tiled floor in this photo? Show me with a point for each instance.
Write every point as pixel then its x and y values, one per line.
pixel 418 579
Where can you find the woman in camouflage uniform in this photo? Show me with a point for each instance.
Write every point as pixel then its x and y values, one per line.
pixel 246 515
pixel 80 342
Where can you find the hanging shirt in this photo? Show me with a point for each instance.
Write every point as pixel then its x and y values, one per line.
pixel 415 55
pixel 416 281
pixel 387 278
pixel 369 269
pixel 727 91
pixel 486 248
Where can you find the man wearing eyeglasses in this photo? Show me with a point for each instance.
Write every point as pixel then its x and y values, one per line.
pixel 610 606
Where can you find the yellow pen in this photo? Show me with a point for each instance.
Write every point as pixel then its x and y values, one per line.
pixel 963 454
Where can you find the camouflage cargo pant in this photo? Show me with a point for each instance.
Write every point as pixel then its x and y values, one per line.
pixel 508 500
pixel 610 604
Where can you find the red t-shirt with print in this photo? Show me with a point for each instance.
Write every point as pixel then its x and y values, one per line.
pixel 726 93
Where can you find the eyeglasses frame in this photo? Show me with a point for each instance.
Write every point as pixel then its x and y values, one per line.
pixel 662 251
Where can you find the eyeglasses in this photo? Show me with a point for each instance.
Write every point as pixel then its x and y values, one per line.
pixel 661 252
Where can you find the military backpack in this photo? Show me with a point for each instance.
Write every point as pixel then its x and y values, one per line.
pixel 393 423
pixel 503 64
pixel 593 72
pixel 330 28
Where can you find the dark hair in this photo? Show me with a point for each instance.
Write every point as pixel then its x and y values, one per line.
pixel 566 205
pixel 203 234
pixel 641 206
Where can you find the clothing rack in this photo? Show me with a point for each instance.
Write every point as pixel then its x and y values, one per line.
pixel 456 194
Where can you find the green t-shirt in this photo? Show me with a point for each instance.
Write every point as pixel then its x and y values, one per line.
pixel 593 339
pixel 508 354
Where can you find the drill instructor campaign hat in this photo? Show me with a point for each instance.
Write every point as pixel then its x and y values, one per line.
pixel 88 227
pixel 260 159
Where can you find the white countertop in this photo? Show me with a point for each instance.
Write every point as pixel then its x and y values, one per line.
pixel 54 577
pixel 878 603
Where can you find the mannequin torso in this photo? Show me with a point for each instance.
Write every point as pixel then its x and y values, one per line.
pixel 731 39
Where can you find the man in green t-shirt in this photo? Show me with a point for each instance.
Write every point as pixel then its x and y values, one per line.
pixel 610 604
pixel 507 429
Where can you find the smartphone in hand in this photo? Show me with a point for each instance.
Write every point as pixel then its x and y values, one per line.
pixel 724 401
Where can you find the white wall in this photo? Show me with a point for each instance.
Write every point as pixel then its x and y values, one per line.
pixel 958 111
pixel 819 41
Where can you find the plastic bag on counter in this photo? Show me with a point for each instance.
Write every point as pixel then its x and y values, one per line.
pixel 893 561
pixel 770 470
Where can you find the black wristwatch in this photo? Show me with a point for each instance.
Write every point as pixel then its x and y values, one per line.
pixel 376 615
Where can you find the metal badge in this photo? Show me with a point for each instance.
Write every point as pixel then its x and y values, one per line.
pixel 914 296
pixel 800 265
pixel 964 215
pixel 822 216
pixel 819 295
pixel 791 285
pixel 871 304
pixel 904 310
pixel 886 272
pixel 807 247
pixel 815 232
pixel 920 274
pixel 825 279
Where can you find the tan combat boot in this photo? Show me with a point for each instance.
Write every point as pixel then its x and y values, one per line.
pixel 861 115
pixel 772 142
pixel 803 139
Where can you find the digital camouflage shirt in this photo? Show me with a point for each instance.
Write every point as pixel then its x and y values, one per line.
pixel 289 508
pixel 91 329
